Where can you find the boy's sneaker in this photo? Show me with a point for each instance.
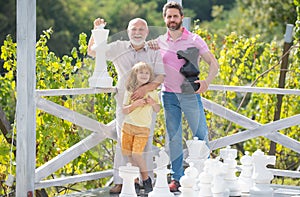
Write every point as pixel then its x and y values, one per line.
pixel 148 185
pixel 174 185
pixel 137 188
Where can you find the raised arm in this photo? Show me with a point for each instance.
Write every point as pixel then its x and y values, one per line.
pixel 97 22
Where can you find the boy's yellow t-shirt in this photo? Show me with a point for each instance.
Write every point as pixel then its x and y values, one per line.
pixel 141 116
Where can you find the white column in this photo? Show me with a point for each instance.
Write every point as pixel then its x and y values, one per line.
pixel 187 23
pixel 178 1
pixel 26 61
pixel 288 36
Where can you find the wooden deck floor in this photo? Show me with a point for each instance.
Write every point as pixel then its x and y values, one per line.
pixel 103 192
pixel 279 191
pixel 100 192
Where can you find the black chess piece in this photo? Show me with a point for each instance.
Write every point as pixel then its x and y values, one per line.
pixel 190 69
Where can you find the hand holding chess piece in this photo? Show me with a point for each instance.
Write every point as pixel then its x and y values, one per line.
pixel 100 77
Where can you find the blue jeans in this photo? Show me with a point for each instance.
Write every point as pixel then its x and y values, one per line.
pixel 191 105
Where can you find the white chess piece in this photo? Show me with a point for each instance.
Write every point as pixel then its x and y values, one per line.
pixel 205 178
pixel 228 155
pixel 245 178
pixel 100 77
pixel 219 170
pixel 161 187
pixel 198 152
pixel 188 182
pixel 128 173
pixel 261 175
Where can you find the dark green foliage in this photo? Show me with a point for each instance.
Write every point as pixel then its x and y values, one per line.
pixel 70 18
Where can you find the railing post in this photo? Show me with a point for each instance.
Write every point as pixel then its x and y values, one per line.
pixel 26 61
pixel 288 37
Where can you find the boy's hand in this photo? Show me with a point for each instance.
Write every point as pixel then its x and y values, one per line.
pixel 139 103
pixel 150 101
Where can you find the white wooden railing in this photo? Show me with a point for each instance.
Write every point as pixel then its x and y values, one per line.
pixel 101 131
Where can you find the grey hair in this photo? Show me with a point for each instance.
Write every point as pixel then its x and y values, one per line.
pixel 135 20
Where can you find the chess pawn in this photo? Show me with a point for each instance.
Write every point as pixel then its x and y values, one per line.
pixel 128 173
pixel 261 175
pixel 188 181
pixel 228 155
pixel 219 187
pixel 205 178
pixel 245 178
pixel 161 188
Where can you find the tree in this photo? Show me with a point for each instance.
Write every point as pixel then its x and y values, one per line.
pixel 72 17
pixel 267 18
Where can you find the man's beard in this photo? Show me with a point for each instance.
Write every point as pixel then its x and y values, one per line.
pixel 176 27
pixel 137 43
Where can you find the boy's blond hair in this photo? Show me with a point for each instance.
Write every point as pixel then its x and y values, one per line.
pixel 132 83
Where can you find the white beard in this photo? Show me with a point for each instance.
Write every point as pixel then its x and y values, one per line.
pixel 137 43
